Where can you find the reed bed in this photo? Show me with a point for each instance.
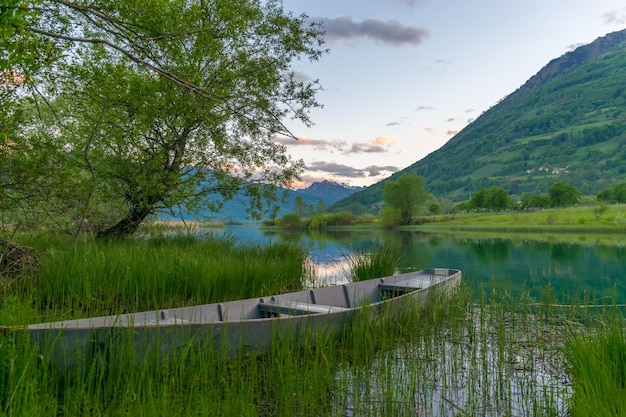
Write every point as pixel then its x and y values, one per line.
pixel 101 278
pixel 483 351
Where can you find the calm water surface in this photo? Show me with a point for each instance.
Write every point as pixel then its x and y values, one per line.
pixel 573 269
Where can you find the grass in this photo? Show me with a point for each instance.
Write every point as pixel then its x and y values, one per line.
pixel 484 351
pixel 100 278
pixel 597 364
pixel 372 263
pixel 578 219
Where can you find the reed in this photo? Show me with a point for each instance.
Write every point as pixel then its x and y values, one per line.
pixel 372 263
pixel 100 278
pixel 597 365
pixel 485 351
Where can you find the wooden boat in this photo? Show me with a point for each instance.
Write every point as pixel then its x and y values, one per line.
pixel 233 327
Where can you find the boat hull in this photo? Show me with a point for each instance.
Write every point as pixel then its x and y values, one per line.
pixel 234 328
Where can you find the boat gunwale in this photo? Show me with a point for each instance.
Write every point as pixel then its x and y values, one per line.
pixel 449 275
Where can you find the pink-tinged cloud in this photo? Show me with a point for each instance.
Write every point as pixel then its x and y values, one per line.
pixel 301 141
pixel 366 148
pixel 346 171
pixel 383 140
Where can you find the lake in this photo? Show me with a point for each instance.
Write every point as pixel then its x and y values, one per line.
pixel 574 269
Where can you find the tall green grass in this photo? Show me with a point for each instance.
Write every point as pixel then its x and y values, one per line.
pixel 597 365
pixel 475 352
pixel 99 278
pixel 372 263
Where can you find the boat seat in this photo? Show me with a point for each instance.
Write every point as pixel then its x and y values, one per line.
pixel 397 288
pixel 297 308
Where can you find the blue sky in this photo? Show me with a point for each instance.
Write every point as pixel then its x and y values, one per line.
pixel 403 76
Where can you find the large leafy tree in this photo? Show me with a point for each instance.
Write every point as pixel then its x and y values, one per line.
pixel 161 103
pixel 405 195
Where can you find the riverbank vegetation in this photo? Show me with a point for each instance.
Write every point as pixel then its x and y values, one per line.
pixel 481 351
pixel 107 277
pixel 576 219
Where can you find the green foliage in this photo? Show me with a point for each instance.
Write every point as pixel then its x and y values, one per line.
pixel 615 194
pixel 478 199
pixel 390 216
pixel 135 133
pixel 405 194
pixel 373 263
pixel 107 277
pixel 597 364
pixel 434 208
pixel 493 198
pixel 538 201
pixel 563 195
pixel 343 218
pixel 497 199
pixel 291 221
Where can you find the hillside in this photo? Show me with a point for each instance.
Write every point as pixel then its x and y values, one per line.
pixel 567 122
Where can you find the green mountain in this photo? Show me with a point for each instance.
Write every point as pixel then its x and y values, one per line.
pixel 568 123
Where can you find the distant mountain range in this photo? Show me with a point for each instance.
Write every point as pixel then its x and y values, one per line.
pixel 329 191
pixel 567 122
pixel 235 210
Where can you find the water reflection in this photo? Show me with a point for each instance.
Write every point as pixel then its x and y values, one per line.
pixel 573 269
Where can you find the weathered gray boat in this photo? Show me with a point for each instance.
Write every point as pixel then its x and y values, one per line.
pixel 234 327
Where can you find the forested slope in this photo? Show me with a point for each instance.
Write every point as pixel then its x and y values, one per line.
pixel 568 123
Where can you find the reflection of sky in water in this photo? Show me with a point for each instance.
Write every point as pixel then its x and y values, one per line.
pixel 523 264
pixel 328 259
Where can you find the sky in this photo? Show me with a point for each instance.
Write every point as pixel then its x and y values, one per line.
pixel 404 76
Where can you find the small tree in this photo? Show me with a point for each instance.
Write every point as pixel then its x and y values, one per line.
pixel 562 195
pixel 405 194
pixel 299 207
pixel 434 209
pixel 478 199
pixel 496 198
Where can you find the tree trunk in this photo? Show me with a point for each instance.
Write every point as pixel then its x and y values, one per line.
pixel 127 226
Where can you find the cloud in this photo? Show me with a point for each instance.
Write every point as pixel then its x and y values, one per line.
pixel 302 141
pixel 320 144
pixel 383 140
pixel 450 120
pixel 390 32
pixel 410 3
pixel 366 148
pixel 575 46
pixel 371 146
pixel 302 77
pixel 452 132
pixel 374 170
pixel 422 108
pixel 393 124
pixel 350 172
pixel 615 17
